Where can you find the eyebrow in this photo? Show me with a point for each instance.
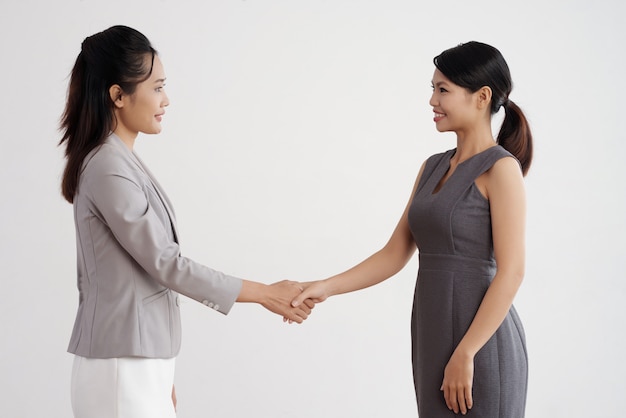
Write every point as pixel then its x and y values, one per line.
pixel 438 83
pixel 160 80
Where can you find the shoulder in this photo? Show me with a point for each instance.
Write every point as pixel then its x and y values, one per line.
pixel 506 165
pixel 502 157
pixel 108 158
pixel 504 174
pixel 435 159
pixel 504 178
pixel 429 166
pixel 441 155
pixel 106 166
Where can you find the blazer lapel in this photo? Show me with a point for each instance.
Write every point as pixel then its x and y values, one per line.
pixel 157 187
pixel 164 199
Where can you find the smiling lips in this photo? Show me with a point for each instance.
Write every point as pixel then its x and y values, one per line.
pixel 438 117
pixel 159 118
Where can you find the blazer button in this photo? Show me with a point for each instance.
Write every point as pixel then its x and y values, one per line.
pixel 216 307
pixel 205 302
pixel 211 305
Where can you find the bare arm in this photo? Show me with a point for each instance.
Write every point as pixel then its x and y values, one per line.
pixel 373 270
pixel 505 188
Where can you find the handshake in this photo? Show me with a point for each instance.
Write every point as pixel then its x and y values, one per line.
pixel 292 300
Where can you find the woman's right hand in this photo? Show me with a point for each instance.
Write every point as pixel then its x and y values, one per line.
pixel 278 299
pixel 315 291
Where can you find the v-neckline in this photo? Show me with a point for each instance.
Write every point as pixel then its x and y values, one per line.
pixel 443 180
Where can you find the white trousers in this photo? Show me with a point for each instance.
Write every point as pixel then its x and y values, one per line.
pixel 122 388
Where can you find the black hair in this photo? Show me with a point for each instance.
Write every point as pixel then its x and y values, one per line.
pixel 474 65
pixel 118 55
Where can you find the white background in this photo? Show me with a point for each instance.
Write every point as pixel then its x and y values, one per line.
pixel 295 132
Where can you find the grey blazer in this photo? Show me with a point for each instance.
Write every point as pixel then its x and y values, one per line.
pixel 130 270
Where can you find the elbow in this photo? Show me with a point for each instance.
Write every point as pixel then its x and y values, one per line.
pixel 396 258
pixel 518 278
pixel 513 277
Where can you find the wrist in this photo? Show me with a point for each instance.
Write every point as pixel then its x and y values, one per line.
pixel 253 292
pixel 464 352
pixel 330 287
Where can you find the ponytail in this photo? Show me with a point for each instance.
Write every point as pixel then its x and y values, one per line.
pixel 86 122
pixel 515 135
pixel 473 65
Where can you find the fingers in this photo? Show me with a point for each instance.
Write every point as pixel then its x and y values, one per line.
pixel 450 396
pixel 305 308
pixel 462 407
pixel 314 291
pixel 469 401
pixel 451 401
pixel 299 299
pixel 307 305
pixel 287 292
pixel 294 316
pixel 457 382
pixel 277 298
pixel 458 399
pixel 298 315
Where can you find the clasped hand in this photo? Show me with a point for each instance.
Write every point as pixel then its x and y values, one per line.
pixel 308 295
pixel 279 297
pixel 293 300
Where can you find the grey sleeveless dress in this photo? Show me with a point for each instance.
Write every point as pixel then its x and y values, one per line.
pixel 452 230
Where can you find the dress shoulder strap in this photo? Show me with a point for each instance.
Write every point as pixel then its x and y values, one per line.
pixel 482 162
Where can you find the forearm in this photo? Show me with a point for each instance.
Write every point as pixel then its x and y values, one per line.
pixel 493 309
pixel 373 270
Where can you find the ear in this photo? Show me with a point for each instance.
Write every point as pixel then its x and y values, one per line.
pixel 116 93
pixel 484 97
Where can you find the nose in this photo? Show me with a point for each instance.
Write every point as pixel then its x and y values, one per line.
pixel 433 100
pixel 166 100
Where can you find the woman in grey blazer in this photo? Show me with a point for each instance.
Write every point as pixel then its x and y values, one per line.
pixel 130 270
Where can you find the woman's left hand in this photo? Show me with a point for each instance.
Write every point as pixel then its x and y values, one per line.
pixel 457 383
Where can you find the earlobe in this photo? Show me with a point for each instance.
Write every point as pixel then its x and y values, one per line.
pixel 116 93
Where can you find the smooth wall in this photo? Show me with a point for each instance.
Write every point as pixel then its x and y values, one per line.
pixel 294 135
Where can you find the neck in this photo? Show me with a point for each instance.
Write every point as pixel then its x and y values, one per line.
pixel 128 138
pixel 469 144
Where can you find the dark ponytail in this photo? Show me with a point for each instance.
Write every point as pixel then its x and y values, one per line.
pixel 474 65
pixel 515 136
pixel 119 55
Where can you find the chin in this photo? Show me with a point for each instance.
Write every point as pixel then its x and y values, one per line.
pixel 153 131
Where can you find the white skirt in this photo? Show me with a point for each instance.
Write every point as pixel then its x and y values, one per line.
pixel 122 388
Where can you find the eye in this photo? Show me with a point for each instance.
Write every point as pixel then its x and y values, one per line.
pixel 442 90
pixel 159 89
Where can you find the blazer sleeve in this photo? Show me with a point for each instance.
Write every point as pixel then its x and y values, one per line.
pixel 119 194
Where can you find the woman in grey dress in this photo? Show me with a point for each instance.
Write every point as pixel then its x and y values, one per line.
pixel 466 216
